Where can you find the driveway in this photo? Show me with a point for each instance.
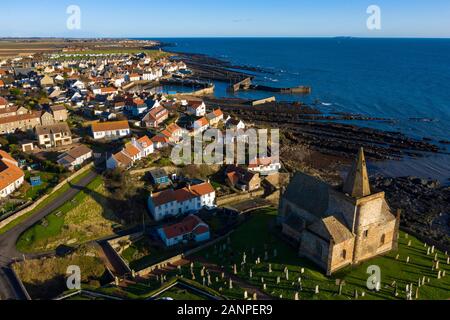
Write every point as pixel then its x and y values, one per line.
pixel 8 250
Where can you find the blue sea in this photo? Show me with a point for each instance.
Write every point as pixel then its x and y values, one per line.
pixel 404 80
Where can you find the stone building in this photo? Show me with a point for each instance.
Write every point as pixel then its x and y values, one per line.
pixel 54 135
pixel 337 227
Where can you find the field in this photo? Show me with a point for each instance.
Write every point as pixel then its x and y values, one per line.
pixel 143 253
pixel 87 217
pixel 79 55
pixel 46 278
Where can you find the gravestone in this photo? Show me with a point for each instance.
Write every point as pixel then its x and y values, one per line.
pixel 296 296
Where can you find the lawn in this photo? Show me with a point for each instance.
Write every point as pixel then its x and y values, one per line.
pixel 259 233
pixel 44 203
pixel 87 217
pixel 48 180
pixel 46 278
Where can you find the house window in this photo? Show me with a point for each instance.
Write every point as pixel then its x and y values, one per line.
pixel 383 239
pixel 366 233
pixel 344 254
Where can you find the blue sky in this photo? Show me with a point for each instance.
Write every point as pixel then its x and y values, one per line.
pixel 203 18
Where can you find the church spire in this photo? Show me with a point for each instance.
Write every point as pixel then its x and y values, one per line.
pixel 357 183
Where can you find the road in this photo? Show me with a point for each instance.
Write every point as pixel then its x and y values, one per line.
pixel 9 289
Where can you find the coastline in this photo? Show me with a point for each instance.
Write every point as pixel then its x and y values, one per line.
pixel 426 165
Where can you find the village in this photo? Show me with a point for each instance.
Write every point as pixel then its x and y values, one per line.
pixel 86 175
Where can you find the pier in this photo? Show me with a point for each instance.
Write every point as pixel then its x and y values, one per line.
pixel 247 84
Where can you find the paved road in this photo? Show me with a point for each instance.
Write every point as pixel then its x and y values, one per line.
pixel 8 252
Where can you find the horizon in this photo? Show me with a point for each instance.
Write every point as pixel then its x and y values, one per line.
pixel 247 19
pixel 226 37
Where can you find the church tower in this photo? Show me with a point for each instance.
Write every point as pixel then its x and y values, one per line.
pixel 357 183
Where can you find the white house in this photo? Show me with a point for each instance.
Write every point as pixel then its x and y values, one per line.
pixel 11 176
pixel 104 91
pixel 265 166
pixel 196 108
pixel 110 130
pixel 169 203
pixel 132 152
pixel 200 125
pixel 152 74
pixel 75 157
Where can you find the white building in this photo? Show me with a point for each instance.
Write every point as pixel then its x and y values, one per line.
pixel 110 130
pixel 132 152
pixel 11 176
pixel 75 157
pixel 169 203
pixel 265 166
pixel 196 108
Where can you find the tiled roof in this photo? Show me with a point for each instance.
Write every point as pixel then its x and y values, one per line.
pixel 9 172
pixel 191 224
pixel 202 122
pixel 79 151
pixel 131 150
pixel 109 126
pixel 145 141
pixel 123 159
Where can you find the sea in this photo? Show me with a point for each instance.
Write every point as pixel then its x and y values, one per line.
pixel 405 81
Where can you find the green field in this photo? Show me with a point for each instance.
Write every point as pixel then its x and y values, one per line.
pixel 87 217
pixel 78 55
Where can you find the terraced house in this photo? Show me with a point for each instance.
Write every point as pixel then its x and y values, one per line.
pixel 15 118
pixel 191 199
pixel 134 151
pixel 11 176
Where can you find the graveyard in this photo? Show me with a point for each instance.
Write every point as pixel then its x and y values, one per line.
pixel 254 262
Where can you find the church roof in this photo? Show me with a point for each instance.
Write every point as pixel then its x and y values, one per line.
pixel 357 183
pixel 308 193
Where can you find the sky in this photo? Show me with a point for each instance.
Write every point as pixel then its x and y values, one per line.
pixel 227 18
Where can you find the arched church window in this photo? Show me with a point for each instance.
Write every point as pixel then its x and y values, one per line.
pixel 383 239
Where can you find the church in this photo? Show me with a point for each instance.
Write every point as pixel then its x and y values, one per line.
pixel 338 227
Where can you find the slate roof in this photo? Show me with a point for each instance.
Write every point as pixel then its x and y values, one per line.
pixel 308 193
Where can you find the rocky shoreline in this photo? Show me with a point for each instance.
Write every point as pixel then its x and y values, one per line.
pixel 321 145
pixel 425 207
